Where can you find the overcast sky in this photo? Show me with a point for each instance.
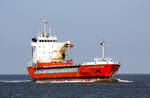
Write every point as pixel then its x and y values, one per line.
pixel 123 23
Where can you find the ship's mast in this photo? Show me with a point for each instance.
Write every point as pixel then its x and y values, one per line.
pixel 44 33
pixel 102 44
pixel 45 26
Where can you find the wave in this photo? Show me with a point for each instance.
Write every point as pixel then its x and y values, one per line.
pixel 61 81
pixel 14 81
pixel 123 80
pixel 23 81
pixel 115 79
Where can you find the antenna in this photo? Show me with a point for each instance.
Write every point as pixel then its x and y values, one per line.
pixel 40 27
pixel 50 31
pixel 45 26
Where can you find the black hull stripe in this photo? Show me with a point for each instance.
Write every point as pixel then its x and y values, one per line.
pixel 57 78
pixel 59 67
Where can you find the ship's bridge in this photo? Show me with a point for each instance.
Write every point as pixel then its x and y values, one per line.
pixel 46 48
pixel 48 39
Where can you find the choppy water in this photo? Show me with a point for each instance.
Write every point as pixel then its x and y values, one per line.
pixel 130 86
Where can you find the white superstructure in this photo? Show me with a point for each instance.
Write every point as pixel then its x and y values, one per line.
pixel 46 48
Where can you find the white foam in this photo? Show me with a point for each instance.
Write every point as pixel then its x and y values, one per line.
pixel 124 80
pixel 62 81
pixel 14 81
pixel 76 81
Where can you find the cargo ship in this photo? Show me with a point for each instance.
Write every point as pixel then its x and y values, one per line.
pixel 49 62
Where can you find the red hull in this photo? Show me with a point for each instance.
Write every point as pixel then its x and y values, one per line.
pixel 84 72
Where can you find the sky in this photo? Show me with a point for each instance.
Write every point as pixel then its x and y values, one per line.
pixel 124 24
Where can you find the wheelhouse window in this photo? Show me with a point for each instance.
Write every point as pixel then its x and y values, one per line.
pixel 47 40
pixel 54 40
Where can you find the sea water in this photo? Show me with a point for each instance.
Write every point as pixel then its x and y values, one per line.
pixel 129 86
